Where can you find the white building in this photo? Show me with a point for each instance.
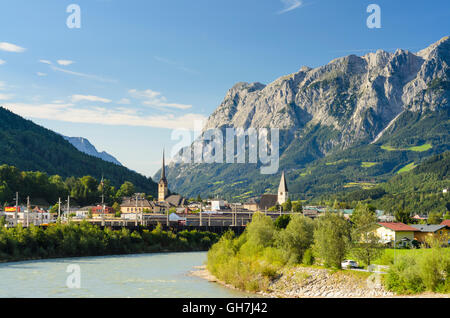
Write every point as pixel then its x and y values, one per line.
pixel 217 204
pixel 283 193
pixel 25 217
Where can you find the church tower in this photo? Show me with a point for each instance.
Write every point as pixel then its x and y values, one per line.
pixel 283 193
pixel 163 189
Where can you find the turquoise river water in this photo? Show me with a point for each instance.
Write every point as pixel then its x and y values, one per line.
pixel 141 275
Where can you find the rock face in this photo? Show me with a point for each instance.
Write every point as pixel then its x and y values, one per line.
pixel 350 102
pixel 85 146
pixel 356 96
pixel 317 282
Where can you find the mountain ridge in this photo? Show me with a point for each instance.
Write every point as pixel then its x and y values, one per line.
pixel 84 145
pixel 350 102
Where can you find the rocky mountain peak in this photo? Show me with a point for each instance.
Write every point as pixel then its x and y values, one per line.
pixel 355 95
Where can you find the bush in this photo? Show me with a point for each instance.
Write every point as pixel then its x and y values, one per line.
pixel 282 221
pixel 308 257
pixel 420 272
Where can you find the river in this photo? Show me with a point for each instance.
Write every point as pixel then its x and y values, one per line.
pixel 140 275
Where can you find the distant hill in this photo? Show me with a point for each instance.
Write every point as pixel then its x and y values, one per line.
pixel 419 190
pixel 83 145
pixel 30 147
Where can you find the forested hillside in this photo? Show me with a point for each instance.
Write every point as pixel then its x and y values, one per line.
pixel 417 191
pixel 30 147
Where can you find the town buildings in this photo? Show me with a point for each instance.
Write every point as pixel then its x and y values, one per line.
pixel 267 201
pixel 396 233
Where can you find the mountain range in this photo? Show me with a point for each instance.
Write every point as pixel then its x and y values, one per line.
pixel 352 123
pixel 83 145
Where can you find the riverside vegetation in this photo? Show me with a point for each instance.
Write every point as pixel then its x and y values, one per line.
pixel 265 254
pixel 84 239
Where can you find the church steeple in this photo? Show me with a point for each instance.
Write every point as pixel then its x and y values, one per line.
pixel 163 189
pixel 163 170
pixel 282 190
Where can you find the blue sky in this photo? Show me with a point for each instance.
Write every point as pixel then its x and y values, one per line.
pixel 138 69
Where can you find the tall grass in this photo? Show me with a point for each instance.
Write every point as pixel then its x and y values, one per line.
pixel 418 272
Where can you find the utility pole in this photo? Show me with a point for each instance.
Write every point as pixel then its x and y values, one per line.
pixel 167 218
pixel 68 204
pixel 17 207
pixel 142 209
pixel 103 201
pixel 28 210
pixel 59 208
pixel 201 210
pixel 233 215
pixel 136 211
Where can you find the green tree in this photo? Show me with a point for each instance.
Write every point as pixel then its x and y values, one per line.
pixel 287 206
pixel 297 206
pixel 402 215
pixel 297 237
pixel 447 215
pixel 127 189
pixel 366 246
pixel 336 205
pixel 55 208
pixel 282 221
pixel 274 208
pixel 261 230
pixel 116 208
pixel 434 218
pixel 331 239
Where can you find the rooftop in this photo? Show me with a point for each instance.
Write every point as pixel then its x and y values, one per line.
pixel 398 227
pixel 428 227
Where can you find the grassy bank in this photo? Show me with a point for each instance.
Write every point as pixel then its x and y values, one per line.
pixel 265 252
pixel 418 270
pixel 84 239
pixel 390 254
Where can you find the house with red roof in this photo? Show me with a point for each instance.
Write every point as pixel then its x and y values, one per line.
pixel 446 223
pixel 400 233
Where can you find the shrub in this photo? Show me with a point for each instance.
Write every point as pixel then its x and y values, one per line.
pixel 418 272
pixel 308 257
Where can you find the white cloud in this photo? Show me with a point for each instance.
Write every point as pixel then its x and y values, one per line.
pixel 290 5
pixel 6 96
pixel 45 62
pixel 155 99
pixel 2 62
pixel 90 76
pixel 9 47
pixel 103 116
pixel 90 98
pixel 41 74
pixel 65 62
pixel 124 101
pixel 177 65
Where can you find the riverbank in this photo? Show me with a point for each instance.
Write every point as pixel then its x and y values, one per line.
pixel 84 239
pixel 310 282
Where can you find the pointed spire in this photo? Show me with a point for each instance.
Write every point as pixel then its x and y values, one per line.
pixel 163 170
pixel 283 186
